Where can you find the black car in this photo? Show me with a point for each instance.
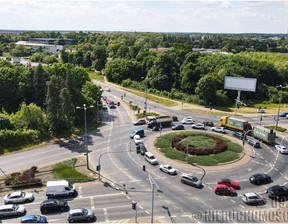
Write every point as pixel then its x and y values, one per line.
pixel 178 127
pixel 208 123
pixel 174 118
pixel 260 178
pixel 141 149
pixel 277 191
pixel 239 135
pixel 51 205
pixel 254 143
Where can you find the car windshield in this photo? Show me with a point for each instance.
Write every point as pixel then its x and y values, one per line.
pixel 84 211
pixel 169 167
pixel 57 202
pixel 228 188
pixel 38 217
pixel 15 207
pixel 195 179
pixel 152 157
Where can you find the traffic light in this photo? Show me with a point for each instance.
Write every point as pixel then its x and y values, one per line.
pixel 134 205
pixel 138 149
pixel 98 168
pixel 144 168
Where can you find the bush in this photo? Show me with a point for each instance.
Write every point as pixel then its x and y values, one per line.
pixel 11 138
pixel 5 122
pixel 26 177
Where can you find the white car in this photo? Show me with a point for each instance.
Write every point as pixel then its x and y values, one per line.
pixel 137 139
pixel 18 197
pixel 168 169
pixel 281 148
pixel 108 89
pixel 198 126
pixel 188 120
pixel 218 129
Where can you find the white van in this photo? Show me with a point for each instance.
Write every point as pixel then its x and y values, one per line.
pixel 59 188
pixel 150 158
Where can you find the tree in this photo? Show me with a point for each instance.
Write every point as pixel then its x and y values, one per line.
pixel 100 57
pixel 53 105
pixel 206 89
pixel 40 79
pixel 64 56
pixel 67 109
pixel 87 61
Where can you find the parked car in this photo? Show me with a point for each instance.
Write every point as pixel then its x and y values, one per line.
pixel 104 106
pixel 218 129
pixel 11 210
pixel 253 198
pixel 208 123
pixel 178 127
pixel 18 197
pixel 108 89
pixel 254 143
pixel 140 122
pixel 224 189
pixel 228 183
pixel 188 120
pixel 137 139
pixel 283 114
pixel 281 148
pixel 168 169
pixel 277 191
pixel 34 219
pixel 260 110
pixel 191 180
pixel 260 178
pixel 198 126
pixel 51 205
pixel 239 135
pixel 81 214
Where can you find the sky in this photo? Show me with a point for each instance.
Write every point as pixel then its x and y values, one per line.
pixel 207 16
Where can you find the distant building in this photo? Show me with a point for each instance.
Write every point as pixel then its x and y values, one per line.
pixel 44 47
pixel 52 41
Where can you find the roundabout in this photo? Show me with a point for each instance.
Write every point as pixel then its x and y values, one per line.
pixel 229 158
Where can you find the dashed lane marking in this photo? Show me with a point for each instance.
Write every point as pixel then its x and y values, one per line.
pixel 241 206
pixel 147 212
pixel 105 215
pixel 80 192
pixel 92 202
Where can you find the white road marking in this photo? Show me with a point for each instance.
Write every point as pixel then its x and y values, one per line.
pixel 80 192
pixel 105 215
pixel 92 202
pixel 241 206
pixel 147 212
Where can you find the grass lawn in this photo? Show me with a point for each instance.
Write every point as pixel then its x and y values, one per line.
pixel 66 170
pixel 278 128
pixel 232 153
pixel 96 75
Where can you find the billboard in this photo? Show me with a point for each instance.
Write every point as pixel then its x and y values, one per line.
pixel 241 84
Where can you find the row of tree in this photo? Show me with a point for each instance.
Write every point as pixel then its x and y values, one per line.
pixel 45 98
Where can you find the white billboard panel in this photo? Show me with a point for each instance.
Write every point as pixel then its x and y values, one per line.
pixel 238 83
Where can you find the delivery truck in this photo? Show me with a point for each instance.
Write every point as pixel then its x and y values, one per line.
pixel 265 134
pixel 160 121
pixel 59 188
pixel 235 123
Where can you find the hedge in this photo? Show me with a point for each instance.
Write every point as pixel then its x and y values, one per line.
pixel 14 138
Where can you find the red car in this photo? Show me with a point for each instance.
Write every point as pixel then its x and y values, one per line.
pixel 228 183
pixel 223 189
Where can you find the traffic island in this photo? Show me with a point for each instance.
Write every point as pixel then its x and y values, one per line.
pixel 162 148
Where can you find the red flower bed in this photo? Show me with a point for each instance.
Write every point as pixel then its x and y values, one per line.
pixel 219 147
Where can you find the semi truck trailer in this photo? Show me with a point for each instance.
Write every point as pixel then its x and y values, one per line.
pixel 235 123
pixel 265 134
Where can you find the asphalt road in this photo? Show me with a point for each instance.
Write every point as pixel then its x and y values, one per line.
pixel 120 164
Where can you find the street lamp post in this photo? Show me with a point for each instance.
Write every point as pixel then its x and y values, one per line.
pixel 204 172
pixel 186 147
pixel 86 146
pixel 244 137
pixel 282 87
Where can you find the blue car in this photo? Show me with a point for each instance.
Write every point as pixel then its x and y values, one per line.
pixel 34 219
pixel 139 132
pixel 283 114
pixel 178 127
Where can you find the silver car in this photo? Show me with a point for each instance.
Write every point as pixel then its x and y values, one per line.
pixel 253 198
pixel 11 210
pixel 191 180
pixel 80 214
pixel 18 197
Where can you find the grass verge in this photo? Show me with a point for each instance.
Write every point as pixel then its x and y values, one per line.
pixel 96 75
pixel 278 128
pixel 232 153
pixel 66 170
